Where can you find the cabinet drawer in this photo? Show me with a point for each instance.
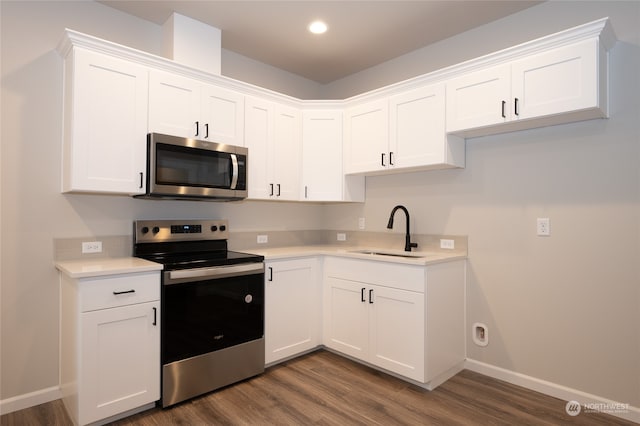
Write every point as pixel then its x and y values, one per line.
pixel 403 277
pixel 109 292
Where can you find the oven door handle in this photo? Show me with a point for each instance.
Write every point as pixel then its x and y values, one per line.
pixel 216 272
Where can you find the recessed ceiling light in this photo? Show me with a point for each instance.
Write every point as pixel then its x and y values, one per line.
pixel 318 27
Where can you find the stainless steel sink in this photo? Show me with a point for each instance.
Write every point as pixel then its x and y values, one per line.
pixel 388 253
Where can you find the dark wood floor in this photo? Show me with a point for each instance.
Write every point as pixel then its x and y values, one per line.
pixel 323 388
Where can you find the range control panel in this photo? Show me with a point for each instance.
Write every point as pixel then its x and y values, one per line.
pixel 152 231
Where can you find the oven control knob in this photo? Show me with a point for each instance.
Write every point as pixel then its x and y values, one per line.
pixel 223 228
pixel 248 298
pixel 156 229
pixel 214 228
pixel 145 229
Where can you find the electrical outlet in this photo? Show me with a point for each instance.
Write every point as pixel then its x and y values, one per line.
pixel 92 247
pixel 361 223
pixel 263 239
pixel 543 227
pixel 447 244
pixel 342 236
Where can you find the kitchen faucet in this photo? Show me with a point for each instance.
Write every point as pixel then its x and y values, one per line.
pixel 408 244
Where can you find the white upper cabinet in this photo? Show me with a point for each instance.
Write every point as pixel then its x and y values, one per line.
pixel 417 138
pixel 114 95
pixel 367 137
pixel 322 175
pixel 322 155
pixel 559 85
pixel 558 81
pixel 287 151
pixel 403 132
pixel 273 135
pixel 105 110
pixel 479 99
pixel 181 106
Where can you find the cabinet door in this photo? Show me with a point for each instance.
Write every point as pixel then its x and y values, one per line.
pixel 561 80
pixel 258 135
pixel 322 155
pixel 397 331
pixel 346 317
pixel 367 137
pixel 174 105
pixel 417 122
pixel 222 115
pixel 105 124
pixel 286 151
pixel 120 359
pixel 479 99
pixel 292 308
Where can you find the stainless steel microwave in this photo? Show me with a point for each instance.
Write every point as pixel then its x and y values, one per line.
pixel 191 169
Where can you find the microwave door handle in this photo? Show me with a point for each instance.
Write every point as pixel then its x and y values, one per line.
pixel 234 171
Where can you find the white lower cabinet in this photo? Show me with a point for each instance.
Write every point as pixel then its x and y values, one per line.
pixel 293 303
pixel 406 319
pixel 380 325
pixel 110 345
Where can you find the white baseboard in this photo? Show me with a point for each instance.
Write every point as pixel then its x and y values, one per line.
pixel 564 393
pixel 27 400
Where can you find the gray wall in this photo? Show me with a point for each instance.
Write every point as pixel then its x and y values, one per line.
pixel 34 213
pixel 564 308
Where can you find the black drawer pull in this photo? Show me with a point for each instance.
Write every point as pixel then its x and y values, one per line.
pixel 124 292
pixel 362 294
pixel 371 296
pixel 155 316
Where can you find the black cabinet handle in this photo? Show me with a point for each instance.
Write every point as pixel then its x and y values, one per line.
pixel 206 131
pixel 503 112
pixel 391 158
pixel 270 273
pixel 278 190
pixel 362 294
pixel 155 316
pixel 141 179
pixel 371 296
pixel 197 128
pixel 124 292
pixel 515 107
pixel 382 160
pixel 271 190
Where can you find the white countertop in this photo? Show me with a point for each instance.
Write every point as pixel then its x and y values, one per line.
pixel 421 258
pixel 106 266
pixel 125 265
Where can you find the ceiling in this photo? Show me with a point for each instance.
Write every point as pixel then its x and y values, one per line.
pixel 361 33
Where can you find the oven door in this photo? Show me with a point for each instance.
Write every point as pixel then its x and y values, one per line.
pixel 189 168
pixel 209 309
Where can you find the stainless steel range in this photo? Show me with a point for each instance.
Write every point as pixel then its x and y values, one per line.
pixel 212 306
